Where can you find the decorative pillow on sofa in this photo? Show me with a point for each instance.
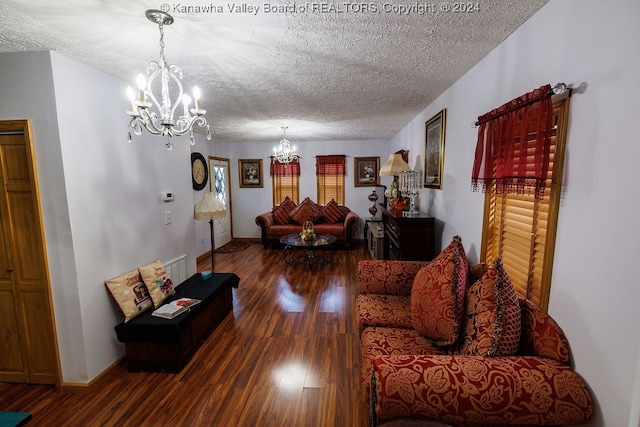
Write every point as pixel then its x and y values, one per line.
pixel 282 211
pixel 331 213
pixel 130 294
pixel 305 211
pixel 157 281
pixel 493 315
pixel 437 295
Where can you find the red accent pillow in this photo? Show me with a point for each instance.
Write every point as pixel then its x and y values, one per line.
pixel 281 212
pixel 493 315
pixel 332 213
pixel 305 211
pixel 437 295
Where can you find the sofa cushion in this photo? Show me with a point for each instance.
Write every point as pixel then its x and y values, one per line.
pixel 331 213
pixel 383 310
pixel 380 341
pixel 282 211
pixel 305 211
pixel 437 296
pixel 492 315
pixel 480 391
pixel 541 335
pixel 157 282
pixel 130 294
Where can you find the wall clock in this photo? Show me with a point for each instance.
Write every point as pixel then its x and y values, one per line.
pixel 199 171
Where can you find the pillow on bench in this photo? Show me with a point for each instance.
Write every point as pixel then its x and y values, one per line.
pixel 130 294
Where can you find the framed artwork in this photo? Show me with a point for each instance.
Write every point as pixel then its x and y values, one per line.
pixel 250 171
pixel 366 171
pixel 434 150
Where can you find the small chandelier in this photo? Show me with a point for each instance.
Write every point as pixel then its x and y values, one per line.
pixel 161 122
pixel 285 153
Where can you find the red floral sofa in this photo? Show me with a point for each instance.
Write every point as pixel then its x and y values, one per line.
pixel 287 218
pixel 442 341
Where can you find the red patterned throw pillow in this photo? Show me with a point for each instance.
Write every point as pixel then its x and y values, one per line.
pixel 305 211
pixel 492 315
pixel 437 295
pixel 282 211
pixel 332 213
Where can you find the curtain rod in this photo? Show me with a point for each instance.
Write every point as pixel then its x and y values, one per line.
pixel 558 89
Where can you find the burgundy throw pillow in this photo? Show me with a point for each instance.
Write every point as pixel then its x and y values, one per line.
pixel 305 211
pixel 492 315
pixel 281 212
pixel 332 213
pixel 437 296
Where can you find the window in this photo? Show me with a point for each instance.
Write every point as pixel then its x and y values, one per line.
pixel 330 171
pixel 285 180
pixel 521 228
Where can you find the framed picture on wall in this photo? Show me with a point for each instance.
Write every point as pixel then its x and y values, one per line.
pixel 366 171
pixel 434 150
pixel 250 171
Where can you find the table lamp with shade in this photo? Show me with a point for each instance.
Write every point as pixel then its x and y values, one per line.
pixel 394 166
pixel 207 209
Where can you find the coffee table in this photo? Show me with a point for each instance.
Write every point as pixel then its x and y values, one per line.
pixel 310 253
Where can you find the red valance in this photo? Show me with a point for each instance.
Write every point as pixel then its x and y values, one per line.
pixel 513 146
pixel 331 165
pixel 285 169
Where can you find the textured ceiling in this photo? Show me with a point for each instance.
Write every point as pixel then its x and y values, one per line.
pixel 328 71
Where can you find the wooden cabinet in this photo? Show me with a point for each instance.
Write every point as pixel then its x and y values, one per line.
pixel 408 238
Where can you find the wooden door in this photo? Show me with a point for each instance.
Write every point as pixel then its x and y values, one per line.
pixel 219 177
pixel 26 316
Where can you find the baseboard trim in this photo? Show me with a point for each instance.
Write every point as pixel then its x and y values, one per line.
pixel 206 255
pixel 86 388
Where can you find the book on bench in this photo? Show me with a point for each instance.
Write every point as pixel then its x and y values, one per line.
pixel 175 308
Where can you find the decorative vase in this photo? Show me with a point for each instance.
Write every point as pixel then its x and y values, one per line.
pixel 307 233
pixel 373 197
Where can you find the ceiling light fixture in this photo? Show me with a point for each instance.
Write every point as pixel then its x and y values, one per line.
pixel 161 122
pixel 285 153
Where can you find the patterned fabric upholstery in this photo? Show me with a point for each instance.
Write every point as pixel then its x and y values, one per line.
pixel 331 213
pixel 375 341
pixel 438 293
pixel 393 311
pixel 472 389
pixel 541 335
pixel 305 211
pixel 492 315
pixel 406 376
pixel 387 277
pixel 281 212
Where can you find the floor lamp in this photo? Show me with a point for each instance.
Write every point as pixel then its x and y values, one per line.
pixel 208 209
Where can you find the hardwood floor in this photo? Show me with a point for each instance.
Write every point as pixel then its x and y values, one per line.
pixel 288 355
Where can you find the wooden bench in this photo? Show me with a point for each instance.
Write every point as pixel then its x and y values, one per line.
pixel 155 344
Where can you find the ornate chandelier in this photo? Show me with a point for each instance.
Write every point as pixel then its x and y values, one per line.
pixel 160 120
pixel 285 153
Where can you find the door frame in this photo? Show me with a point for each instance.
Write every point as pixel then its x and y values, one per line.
pixel 23 126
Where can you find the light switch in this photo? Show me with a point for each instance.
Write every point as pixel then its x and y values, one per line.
pixel 167 217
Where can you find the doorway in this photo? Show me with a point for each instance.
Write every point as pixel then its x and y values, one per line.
pixel 219 185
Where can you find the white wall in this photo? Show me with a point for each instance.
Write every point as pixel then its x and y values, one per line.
pixel 251 202
pixel 593 292
pixel 102 206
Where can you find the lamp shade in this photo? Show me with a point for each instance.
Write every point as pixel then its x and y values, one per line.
pixel 394 165
pixel 209 208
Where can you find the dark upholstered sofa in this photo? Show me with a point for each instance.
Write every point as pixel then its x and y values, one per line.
pixel 288 218
pixel 452 343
